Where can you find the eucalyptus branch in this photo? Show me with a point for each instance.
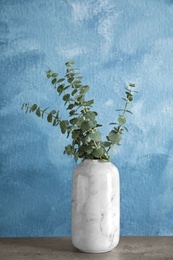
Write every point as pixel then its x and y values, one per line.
pixel 81 123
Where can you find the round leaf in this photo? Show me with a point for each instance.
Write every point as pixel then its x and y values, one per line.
pixel 96 136
pixel 114 137
pixel 97 153
pixel 63 126
pixel 122 120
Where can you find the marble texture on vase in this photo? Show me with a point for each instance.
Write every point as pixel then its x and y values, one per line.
pixel 95 206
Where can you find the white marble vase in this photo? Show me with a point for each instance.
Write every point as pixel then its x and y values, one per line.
pixel 95 206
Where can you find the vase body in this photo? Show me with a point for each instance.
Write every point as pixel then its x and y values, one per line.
pixel 95 206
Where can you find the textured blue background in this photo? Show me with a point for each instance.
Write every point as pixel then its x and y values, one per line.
pixel 113 42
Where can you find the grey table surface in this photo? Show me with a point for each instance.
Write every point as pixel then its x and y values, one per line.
pixel 129 248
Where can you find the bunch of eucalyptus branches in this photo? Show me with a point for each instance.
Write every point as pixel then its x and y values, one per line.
pixel 81 125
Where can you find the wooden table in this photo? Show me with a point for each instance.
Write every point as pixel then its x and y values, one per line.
pixel 129 248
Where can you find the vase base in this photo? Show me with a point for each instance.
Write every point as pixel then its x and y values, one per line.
pixel 96 251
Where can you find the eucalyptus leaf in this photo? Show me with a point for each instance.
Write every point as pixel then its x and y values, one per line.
pixel 66 97
pixel 72 112
pixel 38 113
pixel 54 75
pixel 90 115
pixel 34 107
pixel 76 134
pixel 76 156
pixel 54 122
pixel 49 118
pixel 60 80
pixel 69 63
pixel 53 112
pixel 63 126
pixel 97 153
pixel 85 89
pixel 85 126
pixel 89 103
pixel 54 80
pixel 70 80
pixel 132 85
pixel 74 92
pixel 60 88
pixel 44 111
pixel 114 137
pixel 96 136
pixel 70 106
pixel 122 120
pixel 73 121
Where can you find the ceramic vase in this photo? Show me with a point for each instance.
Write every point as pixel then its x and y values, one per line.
pixel 95 206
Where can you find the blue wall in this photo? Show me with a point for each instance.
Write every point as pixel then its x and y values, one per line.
pixel 113 43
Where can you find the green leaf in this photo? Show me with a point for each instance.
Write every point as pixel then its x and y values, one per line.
pixel 128 93
pixel 76 133
pixel 72 112
pixel 69 150
pixel 76 156
pixel 61 80
pixel 63 126
pixel 130 98
pixel 84 90
pixel 80 98
pixel 125 128
pixel 85 126
pixel 90 115
pixel 60 88
pixel 132 85
pixel 76 81
pixel 44 111
pixel 73 121
pixel 54 75
pixel 54 122
pixel 106 144
pixel 67 87
pixel 49 118
pixel 69 63
pixel 122 120
pixel 48 73
pixel 97 153
pixel 89 103
pixel 54 80
pixel 113 124
pixel 66 97
pixel 125 99
pixel 70 106
pixel 96 136
pixel 87 138
pixel 74 92
pixel 93 123
pixel 53 112
pixel 34 107
pixel 98 125
pixel 128 111
pixel 38 113
pixel 70 79
pixel 81 150
pixel 88 149
pixel 57 115
pixel 114 137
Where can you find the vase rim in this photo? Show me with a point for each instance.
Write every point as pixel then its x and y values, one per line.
pixel 96 160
